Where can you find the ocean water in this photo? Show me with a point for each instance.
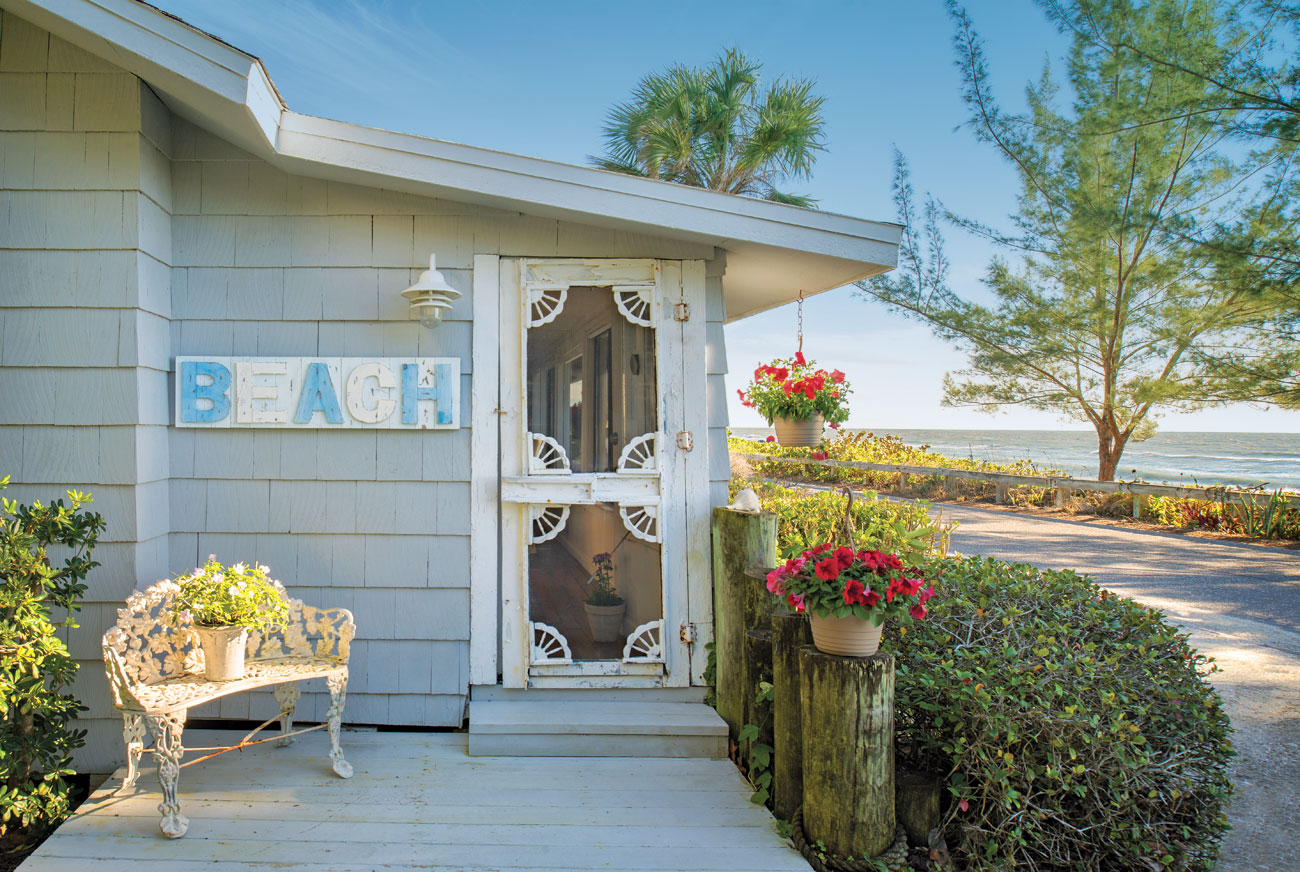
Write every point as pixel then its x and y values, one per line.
pixel 1271 460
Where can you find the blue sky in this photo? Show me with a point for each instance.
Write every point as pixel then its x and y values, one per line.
pixel 537 78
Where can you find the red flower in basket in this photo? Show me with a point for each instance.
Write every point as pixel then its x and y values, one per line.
pixel 796 389
pixel 836 582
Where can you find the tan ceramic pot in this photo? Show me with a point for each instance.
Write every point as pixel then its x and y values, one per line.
pixel 847 637
pixel 606 622
pixel 223 652
pixel 799 432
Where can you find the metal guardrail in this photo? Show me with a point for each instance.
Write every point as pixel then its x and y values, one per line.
pixel 1060 483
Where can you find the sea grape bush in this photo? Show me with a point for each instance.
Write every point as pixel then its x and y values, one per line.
pixel 1074 729
pixel 36 742
pixel 806 520
pixel 1268 516
pixel 870 448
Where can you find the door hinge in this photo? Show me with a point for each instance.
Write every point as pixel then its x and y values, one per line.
pixel 682 312
pixel 685 440
pixel 688 634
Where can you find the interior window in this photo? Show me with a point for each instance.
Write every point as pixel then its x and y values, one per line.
pixel 591 380
pixel 574 418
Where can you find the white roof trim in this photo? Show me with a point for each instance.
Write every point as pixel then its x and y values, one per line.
pixel 774 250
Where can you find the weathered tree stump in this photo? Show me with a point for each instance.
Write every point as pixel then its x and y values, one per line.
pixel 790 632
pixel 741 540
pixel 917 802
pixel 848 751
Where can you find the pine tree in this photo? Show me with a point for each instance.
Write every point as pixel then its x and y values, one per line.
pixel 1105 307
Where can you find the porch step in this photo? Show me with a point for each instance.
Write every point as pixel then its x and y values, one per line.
pixel 568 728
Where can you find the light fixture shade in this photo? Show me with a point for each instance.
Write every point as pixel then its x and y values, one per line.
pixel 431 296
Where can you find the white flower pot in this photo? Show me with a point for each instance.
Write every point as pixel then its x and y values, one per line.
pixel 847 637
pixel 606 622
pixel 223 652
pixel 799 432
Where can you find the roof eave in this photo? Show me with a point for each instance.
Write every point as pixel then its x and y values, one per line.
pixel 775 250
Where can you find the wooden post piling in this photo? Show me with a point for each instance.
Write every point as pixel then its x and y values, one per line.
pixel 790 632
pixel 758 668
pixel 741 540
pixel 848 761
pixel 918 803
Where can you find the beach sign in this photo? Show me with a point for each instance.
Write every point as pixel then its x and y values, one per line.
pixel 421 393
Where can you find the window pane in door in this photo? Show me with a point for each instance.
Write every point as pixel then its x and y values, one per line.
pixel 562 574
pixel 591 380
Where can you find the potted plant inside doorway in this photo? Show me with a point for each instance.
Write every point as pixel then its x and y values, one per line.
pixel 605 608
pixel 798 399
pixel 221 604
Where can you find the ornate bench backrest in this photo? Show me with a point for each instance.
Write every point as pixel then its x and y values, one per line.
pixel 152 641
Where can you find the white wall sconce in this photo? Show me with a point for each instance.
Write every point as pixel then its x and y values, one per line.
pixel 431 296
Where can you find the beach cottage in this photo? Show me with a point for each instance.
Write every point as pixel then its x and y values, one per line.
pixel 423 381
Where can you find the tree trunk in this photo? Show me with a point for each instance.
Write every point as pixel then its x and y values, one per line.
pixel 1110 447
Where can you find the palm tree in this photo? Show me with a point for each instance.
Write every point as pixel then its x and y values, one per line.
pixel 716 128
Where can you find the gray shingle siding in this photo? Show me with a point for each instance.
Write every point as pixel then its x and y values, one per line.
pixel 128 237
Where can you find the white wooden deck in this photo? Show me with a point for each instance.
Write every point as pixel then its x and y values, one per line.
pixel 419 802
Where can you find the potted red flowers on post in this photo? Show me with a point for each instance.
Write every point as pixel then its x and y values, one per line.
pixel 798 399
pixel 849 595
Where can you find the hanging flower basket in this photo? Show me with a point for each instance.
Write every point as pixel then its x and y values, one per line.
pixel 849 594
pixel 799 432
pixel 798 399
pixel 847 637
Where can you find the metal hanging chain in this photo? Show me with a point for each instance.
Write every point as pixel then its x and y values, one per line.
pixel 801 322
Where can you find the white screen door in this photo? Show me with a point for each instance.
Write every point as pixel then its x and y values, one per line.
pixel 593 498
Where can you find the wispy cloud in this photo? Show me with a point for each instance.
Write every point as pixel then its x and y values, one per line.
pixel 322 50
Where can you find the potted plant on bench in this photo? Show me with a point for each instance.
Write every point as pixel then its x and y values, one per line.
pixel 224 603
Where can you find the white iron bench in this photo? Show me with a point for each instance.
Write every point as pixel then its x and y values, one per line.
pixel 155 669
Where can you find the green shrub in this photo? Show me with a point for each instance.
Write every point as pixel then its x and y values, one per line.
pixel 1074 728
pixel 870 448
pixel 807 519
pixel 36 743
pixel 1198 514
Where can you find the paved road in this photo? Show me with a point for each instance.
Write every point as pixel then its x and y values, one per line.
pixel 1189 576
pixel 1240 604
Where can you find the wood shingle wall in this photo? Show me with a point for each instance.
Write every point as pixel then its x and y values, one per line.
pixel 129 236
pixel 85 255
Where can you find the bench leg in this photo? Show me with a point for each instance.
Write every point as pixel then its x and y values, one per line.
pixel 133 735
pixel 168 750
pixel 338 685
pixel 286 696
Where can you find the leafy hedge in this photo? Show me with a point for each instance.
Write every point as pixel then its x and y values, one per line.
pixel 1075 729
pixel 36 742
